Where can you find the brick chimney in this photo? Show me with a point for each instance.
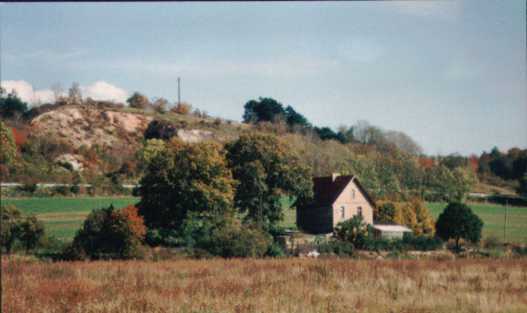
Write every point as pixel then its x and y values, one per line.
pixel 334 176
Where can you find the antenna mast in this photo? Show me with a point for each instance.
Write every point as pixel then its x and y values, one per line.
pixel 178 91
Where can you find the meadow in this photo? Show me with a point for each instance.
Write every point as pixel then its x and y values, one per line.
pixel 63 216
pixel 493 216
pixel 266 285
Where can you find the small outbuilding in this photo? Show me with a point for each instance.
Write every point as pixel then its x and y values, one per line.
pixel 390 231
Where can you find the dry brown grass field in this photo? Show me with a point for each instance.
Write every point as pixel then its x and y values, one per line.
pixel 289 285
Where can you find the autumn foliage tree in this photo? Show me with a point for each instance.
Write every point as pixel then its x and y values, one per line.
pixel 138 101
pixel 412 213
pixel 8 150
pixel 109 233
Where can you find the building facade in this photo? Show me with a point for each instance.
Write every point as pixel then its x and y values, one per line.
pixel 336 199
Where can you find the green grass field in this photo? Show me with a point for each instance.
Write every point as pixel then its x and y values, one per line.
pixel 493 216
pixel 62 217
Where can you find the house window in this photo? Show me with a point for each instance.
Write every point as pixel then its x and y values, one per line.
pixel 342 212
pixel 352 193
pixel 359 211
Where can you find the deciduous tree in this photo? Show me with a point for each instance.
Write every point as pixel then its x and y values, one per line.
pixel 459 222
pixel 185 178
pixel 267 171
pixel 138 101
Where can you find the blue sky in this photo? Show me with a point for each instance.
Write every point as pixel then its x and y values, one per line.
pixel 451 74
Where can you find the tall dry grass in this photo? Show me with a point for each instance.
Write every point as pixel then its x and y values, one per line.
pixel 290 285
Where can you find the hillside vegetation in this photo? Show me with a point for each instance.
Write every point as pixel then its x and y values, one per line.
pixel 77 141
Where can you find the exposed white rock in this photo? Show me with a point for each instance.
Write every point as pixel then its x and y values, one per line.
pixel 73 160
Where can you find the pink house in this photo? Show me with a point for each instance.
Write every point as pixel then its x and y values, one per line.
pixel 336 198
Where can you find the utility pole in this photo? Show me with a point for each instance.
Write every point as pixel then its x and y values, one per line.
pixel 178 91
pixel 505 222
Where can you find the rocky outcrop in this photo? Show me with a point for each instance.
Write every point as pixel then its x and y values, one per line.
pixel 86 126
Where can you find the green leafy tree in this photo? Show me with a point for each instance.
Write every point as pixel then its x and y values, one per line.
pixel 522 189
pixel 459 222
pixel 11 106
pixel 31 232
pixel 293 118
pixel 185 178
pixel 151 149
pixel 11 219
pixel 7 144
pixel 267 171
pixel 385 213
pixel 263 110
pixel 17 227
pixel 353 231
pixel 448 185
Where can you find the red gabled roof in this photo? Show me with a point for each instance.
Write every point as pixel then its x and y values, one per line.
pixel 327 191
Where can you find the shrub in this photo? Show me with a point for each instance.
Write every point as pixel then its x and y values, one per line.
pixel 275 250
pixel 422 243
pixel 17 227
pixel 10 226
pixel 182 108
pixel 160 130
pixel 75 189
pixel 28 187
pixel 109 233
pixel 381 244
pixel 224 236
pixel 353 231
pixel 31 232
pixel 522 251
pixel 61 190
pixel 338 247
pixel 492 242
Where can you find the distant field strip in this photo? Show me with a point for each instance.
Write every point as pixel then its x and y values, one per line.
pixel 62 217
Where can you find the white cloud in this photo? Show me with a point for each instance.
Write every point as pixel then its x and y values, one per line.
pixel 26 93
pixel 99 90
